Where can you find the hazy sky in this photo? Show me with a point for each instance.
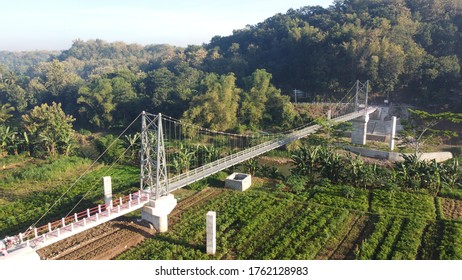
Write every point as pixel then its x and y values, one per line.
pixel 54 24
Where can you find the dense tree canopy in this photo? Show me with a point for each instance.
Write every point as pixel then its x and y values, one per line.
pixel 408 49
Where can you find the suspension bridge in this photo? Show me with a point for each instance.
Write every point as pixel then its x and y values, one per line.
pixel 175 154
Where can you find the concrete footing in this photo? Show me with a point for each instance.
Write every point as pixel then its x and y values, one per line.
pixel 238 181
pixel 156 212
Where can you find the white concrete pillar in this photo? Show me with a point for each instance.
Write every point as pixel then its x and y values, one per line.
pixel 35 232
pixel 49 227
pixel 75 217
pixel 392 133
pixel 358 136
pixel 63 222
pixel 99 209
pixel 118 208
pixel 20 237
pixel 88 212
pixel 107 191
pixel 211 232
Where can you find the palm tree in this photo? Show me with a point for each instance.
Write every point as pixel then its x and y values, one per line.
pixel 5 110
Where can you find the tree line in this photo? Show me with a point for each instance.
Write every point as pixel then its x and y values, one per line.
pixel 408 49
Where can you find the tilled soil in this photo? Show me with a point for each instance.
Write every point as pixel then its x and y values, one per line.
pixel 110 239
pixel 452 208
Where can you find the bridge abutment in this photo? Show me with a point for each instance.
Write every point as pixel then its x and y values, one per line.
pixel 156 212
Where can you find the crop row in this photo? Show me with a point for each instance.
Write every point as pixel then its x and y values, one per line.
pixel 392 238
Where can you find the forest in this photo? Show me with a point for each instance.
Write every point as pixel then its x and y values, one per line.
pixel 407 49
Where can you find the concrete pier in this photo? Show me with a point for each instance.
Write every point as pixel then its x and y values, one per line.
pixel 156 212
pixel 211 220
pixel 358 136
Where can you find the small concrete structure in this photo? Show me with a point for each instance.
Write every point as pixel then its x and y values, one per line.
pixel 238 181
pixel 107 183
pixel 211 229
pixel 156 212
pixel 358 136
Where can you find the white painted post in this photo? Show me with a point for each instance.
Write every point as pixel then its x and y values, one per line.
pixel 97 216
pixel 107 191
pixel 63 222
pixel 111 204
pixel 84 222
pixel 130 197
pixel 139 200
pixel 20 237
pixel 49 227
pixel 118 208
pixel 72 227
pixel 75 217
pixel 392 133
pixel 120 200
pixel 27 243
pixel 99 209
pixel 88 212
pixel 211 232
pixel 35 232
pixel 44 238
pixel 59 232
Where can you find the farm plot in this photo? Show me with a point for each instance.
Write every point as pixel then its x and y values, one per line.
pixel 251 225
pixel 401 203
pixel 392 237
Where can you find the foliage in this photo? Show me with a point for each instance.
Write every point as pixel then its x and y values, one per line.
pixel 50 128
pixel 110 147
pixel 392 238
pixel 403 204
pixel 421 127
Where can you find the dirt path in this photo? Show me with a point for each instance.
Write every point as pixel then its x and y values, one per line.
pixel 110 239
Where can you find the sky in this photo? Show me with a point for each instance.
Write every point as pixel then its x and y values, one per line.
pixel 53 24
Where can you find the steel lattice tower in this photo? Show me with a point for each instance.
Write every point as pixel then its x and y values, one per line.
pixel 153 177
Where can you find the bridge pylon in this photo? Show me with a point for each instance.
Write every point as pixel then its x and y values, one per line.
pixel 154 177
